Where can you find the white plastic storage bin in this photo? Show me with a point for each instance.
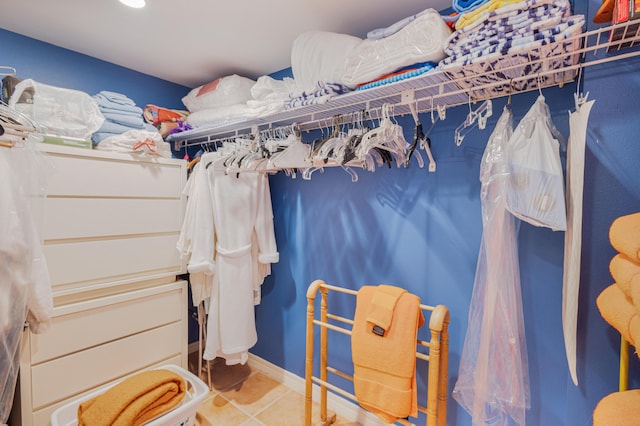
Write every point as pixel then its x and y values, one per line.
pixel 183 415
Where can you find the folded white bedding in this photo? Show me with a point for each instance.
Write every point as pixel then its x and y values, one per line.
pixel 421 40
pixel 320 56
pixel 223 115
pixel 269 94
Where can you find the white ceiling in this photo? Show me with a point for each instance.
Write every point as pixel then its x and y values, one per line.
pixel 191 42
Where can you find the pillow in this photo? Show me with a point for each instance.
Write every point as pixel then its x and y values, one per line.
pixel 224 91
pixel 320 56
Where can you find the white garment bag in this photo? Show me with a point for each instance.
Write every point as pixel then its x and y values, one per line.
pixel 573 237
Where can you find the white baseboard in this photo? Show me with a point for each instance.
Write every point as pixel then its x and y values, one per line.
pixel 341 406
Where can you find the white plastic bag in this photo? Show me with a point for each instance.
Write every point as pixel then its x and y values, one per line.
pixel 221 92
pixel 59 111
pixel 535 192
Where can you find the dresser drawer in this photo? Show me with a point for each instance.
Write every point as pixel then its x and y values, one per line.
pixel 87 324
pixel 72 218
pixel 77 263
pixel 78 173
pixel 70 375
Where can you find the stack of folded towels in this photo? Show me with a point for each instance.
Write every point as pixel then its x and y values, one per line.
pixel 121 115
pixel 619 303
pixel 507 27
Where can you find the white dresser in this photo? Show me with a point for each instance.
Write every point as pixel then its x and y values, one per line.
pixel 110 229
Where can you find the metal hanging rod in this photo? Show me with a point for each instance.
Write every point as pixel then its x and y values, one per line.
pixel 554 64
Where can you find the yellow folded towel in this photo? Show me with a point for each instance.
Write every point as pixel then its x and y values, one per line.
pixel 482 12
pixel 624 235
pixel 618 311
pixel 384 366
pixel 134 401
pixel 623 270
pixel 382 306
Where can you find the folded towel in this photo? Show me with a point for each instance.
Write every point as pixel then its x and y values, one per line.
pixel 117 98
pixel 634 292
pixel 482 12
pixel 105 103
pixel 125 118
pixel 618 409
pixel 384 367
pixel 618 312
pixel 382 307
pixel 111 127
pixel 623 270
pixel 624 235
pixel 134 401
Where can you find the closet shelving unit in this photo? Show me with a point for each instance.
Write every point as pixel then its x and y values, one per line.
pixel 543 66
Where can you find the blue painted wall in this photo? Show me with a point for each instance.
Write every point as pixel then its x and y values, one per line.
pixel 53 65
pixel 422 231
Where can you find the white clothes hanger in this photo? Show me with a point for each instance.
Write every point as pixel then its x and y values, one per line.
pixel 479 117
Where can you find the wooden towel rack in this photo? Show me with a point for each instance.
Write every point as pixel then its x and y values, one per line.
pixel 437 357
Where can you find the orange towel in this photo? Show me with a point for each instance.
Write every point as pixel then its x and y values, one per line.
pixel 623 270
pixel 617 310
pixel 134 401
pixel 618 409
pixel 634 292
pixel 384 366
pixel 624 235
pixel 382 306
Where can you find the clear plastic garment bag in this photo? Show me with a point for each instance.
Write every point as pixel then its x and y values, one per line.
pixel 493 383
pixel 25 289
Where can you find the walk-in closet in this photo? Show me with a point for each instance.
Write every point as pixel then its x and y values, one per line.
pixel 425 213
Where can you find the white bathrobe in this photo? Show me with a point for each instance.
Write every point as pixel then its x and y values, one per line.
pixel 234 244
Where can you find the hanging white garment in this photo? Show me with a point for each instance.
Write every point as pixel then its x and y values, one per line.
pixel 244 243
pixel 493 380
pixel 573 237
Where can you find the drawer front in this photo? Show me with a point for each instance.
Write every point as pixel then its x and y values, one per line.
pixel 107 319
pixel 53 381
pixel 111 259
pixel 43 416
pixel 78 176
pixel 67 218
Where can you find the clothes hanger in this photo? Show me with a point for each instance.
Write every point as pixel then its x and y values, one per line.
pixel 419 136
pixel 478 117
pixel 6 70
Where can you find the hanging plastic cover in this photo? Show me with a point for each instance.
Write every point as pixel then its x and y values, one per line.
pixel 493 379
pixel 536 186
pixel 25 289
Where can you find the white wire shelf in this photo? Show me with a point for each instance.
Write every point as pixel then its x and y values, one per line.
pixel 542 66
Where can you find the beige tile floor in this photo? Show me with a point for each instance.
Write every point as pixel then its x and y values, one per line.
pixel 241 396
